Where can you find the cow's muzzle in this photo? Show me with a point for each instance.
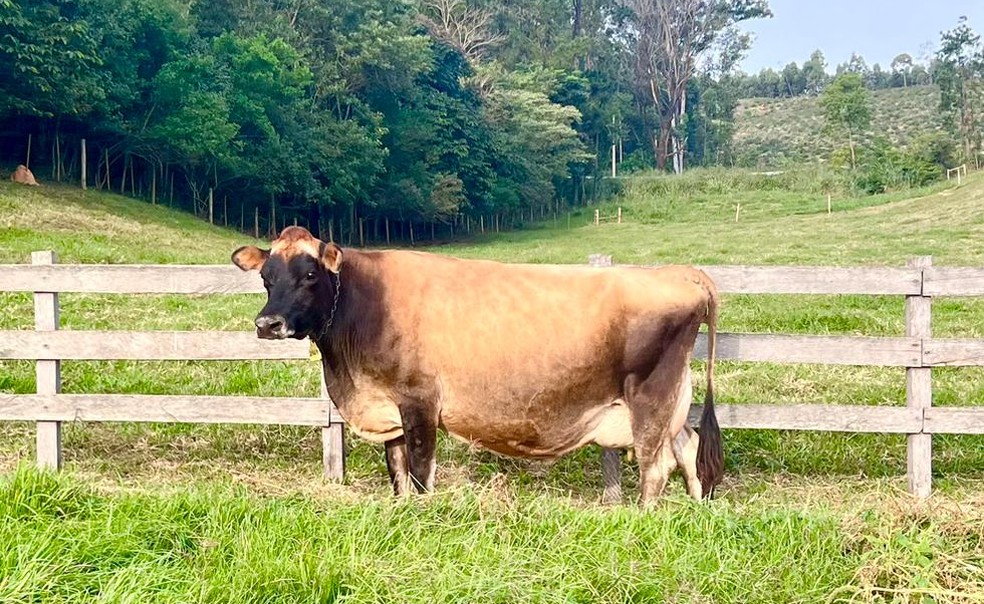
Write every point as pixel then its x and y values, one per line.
pixel 272 327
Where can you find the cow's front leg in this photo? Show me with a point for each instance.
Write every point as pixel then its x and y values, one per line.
pixel 420 421
pixel 396 464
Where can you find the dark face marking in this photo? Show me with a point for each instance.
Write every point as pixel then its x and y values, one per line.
pixel 300 295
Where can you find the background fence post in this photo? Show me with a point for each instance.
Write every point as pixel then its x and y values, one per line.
pixel 332 440
pixel 48 372
pixel 919 388
pixel 611 460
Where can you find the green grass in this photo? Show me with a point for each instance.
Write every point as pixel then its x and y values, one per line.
pixel 223 544
pixel 776 132
pixel 239 513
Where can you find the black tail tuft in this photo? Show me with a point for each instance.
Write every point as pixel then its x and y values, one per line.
pixel 710 449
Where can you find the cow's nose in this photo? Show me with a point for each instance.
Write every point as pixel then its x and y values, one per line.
pixel 271 327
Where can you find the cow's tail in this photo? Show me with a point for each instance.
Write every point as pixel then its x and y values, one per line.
pixel 710 446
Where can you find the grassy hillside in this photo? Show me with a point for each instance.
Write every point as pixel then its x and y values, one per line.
pixel 178 513
pixel 774 132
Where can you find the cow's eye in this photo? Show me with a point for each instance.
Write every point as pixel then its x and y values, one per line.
pixel 310 277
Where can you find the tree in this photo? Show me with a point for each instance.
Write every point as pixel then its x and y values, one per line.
pixel 847 108
pixel 815 73
pixel 464 28
pixel 671 37
pixel 960 75
pixel 902 65
pixel 793 80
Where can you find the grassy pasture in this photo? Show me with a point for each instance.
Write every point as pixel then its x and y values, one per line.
pixel 238 514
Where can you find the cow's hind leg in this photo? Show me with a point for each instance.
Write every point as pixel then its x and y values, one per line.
pixel 397 465
pixel 685 452
pixel 420 424
pixel 653 408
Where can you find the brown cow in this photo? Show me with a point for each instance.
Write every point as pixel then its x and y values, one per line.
pixel 23 176
pixel 525 360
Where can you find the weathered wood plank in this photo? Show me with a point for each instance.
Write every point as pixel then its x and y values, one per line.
pixel 332 442
pixel 814 280
pixel 317 411
pixel 147 345
pixel 824 418
pixel 954 420
pixel 130 279
pixel 221 279
pixel 168 409
pixel 953 352
pixel 833 350
pixel 333 451
pixel 48 450
pixel 953 281
pixel 919 389
pixel 236 345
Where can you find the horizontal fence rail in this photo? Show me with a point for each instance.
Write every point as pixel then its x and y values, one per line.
pixel 147 346
pixel 168 409
pixel 129 279
pixel 82 345
pixel 220 279
pixel 916 351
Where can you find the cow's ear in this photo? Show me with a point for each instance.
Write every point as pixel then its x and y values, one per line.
pixel 250 257
pixel 331 256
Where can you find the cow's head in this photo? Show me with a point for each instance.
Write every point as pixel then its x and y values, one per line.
pixel 301 276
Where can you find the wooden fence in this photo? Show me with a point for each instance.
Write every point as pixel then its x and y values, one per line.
pixel 916 351
pixel 616 217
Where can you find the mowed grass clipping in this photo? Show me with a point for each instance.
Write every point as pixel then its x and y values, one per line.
pixel 69 543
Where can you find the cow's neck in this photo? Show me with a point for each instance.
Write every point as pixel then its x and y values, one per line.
pixel 348 344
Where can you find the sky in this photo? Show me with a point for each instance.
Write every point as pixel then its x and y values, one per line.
pixel 878 30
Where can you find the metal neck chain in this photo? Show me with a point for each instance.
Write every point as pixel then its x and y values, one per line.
pixel 334 306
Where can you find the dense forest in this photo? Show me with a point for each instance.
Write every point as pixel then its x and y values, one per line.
pixel 379 119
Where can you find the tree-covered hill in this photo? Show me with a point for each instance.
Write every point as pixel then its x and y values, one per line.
pixel 772 131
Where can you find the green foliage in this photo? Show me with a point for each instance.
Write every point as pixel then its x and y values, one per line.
pixel 882 167
pixel 530 125
pixel 847 106
pixel 960 75
pixel 410 111
pixel 48 56
pixel 346 109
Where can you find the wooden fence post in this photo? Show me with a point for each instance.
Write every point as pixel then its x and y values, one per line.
pixel 332 440
pixel 48 372
pixel 919 389
pixel 84 162
pixel 611 460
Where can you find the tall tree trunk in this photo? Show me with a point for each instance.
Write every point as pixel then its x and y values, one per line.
pixel 577 30
pixel 576 21
pixel 314 219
